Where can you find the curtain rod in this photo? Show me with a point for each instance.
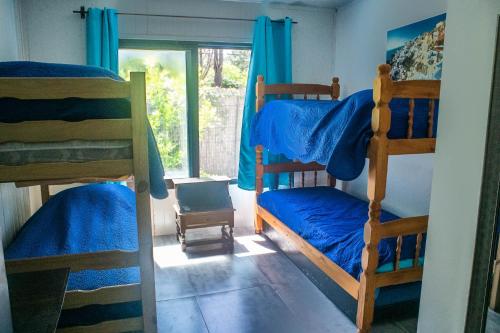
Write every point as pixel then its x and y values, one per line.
pixel 83 13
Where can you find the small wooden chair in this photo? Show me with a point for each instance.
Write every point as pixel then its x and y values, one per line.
pixel 202 203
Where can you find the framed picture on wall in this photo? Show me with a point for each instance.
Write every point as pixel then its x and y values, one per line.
pixel 415 51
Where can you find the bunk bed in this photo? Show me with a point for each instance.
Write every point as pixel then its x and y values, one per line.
pixel 365 250
pixel 68 123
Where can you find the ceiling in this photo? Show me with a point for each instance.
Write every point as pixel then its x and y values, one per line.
pixel 310 3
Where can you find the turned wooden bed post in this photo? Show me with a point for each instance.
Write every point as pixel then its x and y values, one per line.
pixel 259 168
pixel 142 197
pixel 45 193
pixel 377 176
pixel 335 94
pixel 335 88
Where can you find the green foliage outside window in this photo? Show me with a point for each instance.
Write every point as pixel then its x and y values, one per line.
pixel 234 71
pixel 221 73
pixel 166 99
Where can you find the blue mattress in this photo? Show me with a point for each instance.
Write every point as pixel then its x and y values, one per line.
pixel 332 133
pixel 84 219
pixel 74 109
pixel 332 221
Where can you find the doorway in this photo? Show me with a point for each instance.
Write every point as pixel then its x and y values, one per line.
pixel 479 317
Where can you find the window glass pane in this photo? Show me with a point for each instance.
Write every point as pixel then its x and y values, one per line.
pixel 166 101
pixel 222 83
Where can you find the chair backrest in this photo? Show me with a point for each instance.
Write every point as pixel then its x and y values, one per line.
pixel 203 196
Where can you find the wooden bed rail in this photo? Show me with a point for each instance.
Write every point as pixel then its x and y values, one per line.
pixel 131 324
pixel 398 277
pixel 399 228
pixel 94 130
pixel 105 295
pixel 60 88
pixel 304 89
pixel 49 182
pixel 425 89
pixel 292 167
pixel 64 170
pixel 411 146
pixel 288 167
pixel 404 227
pixel 76 262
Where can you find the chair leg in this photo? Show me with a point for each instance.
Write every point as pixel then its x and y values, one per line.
pixel 178 230
pixel 182 240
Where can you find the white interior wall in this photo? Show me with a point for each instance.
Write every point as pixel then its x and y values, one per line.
pixel 465 100
pixel 8 43
pixel 63 40
pixel 361 34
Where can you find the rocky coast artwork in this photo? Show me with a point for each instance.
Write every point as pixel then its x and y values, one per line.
pixel 415 51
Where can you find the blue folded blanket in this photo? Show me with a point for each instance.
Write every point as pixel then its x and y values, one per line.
pixel 333 133
pixel 97 217
pixel 74 109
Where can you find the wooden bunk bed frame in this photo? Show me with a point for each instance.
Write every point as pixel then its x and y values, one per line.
pixel 379 150
pixel 134 129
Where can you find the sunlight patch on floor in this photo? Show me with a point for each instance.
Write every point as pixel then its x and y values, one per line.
pixel 251 245
pixel 172 255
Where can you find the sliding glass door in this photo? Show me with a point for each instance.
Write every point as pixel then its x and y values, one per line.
pixel 195 97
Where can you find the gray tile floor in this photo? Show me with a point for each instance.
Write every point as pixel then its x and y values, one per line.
pixel 256 289
pixel 493 322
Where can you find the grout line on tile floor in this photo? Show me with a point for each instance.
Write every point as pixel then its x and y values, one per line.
pixel 202 314
pixel 215 292
pixel 232 290
pixel 175 299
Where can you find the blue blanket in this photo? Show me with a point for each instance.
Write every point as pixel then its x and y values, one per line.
pixel 84 219
pixel 90 218
pixel 74 109
pixel 332 221
pixel 332 133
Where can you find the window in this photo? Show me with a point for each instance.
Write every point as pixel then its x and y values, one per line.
pixel 195 98
pixel 166 102
pixel 223 77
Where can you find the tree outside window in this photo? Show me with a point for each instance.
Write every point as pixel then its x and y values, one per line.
pixel 222 75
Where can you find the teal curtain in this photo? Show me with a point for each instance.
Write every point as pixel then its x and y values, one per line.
pixel 102 38
pixel 102 43
pixel 271 57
